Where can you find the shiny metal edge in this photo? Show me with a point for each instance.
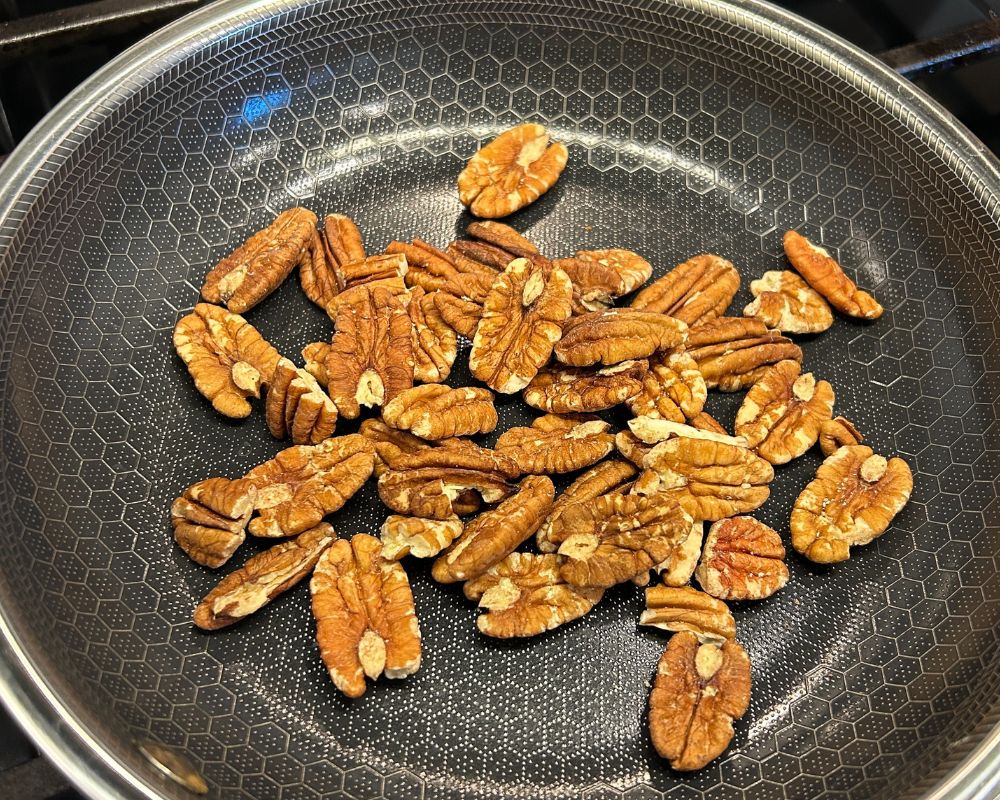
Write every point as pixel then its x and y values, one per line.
pixel 26 693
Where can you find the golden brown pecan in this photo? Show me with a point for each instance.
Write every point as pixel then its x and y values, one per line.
pixel 732 352
pixel 521 321
pixel 434 342
pixel 524 595
pixel 510 172
pixel 321 276
pixel 302 484
pixel 461 314
pixel 785 302
pixel 696 292
pixel 210 518
pixel 226 356
pixel 652 430
pixel 557 444
pixel 391 443
pixel 630 446
pixel 615 537
pixel 262 578
pixel 836 433
pixel 672 388
pixel 366 625
pixel 434 270
pixel 370 359
pixel 356 294
pixel 418 537
pixel 679 566
pixel 782 413
pixel 502 239
pixel 684 608
pixel 297 407
pixel 315 355
pixel 434 411
pixel 494 534
pixel 827 277
pixel 699 690
pixel 744 559
pixel 259 265
pixel 704 421
pixel 601 276
pixel 569 390
pixel 620 334
pixel 851 501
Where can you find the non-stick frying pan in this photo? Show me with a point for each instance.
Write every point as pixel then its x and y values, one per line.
pixel 692 126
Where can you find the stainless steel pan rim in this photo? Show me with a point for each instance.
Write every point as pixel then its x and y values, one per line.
pixel 27 693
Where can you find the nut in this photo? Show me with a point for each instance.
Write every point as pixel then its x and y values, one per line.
pixel 686 609
pixel 621 334
pixel 495 534
pixel 836 433
pixel 391 443
pixel 522 319
pixel 210 517
pixel 297 407
pixel 435 411
pixel 501 239
pixel 630 446
pixel 782 413
pixel 601 276
pixel 695 292
pixel 434 342
pixel 226 356
pixel 827 277
pixel 557 444
pixel 851 501
pixel 744 559
pixel 566 391
pixel 732 352
pixel 459 313
pixel 370 359
pixel 699 690
pixel 652 430
pixel 259 265
pixel 321 276
pixel 524 595
pixel 434 270
pixel 302 484
pixel 417 537
pixel 366 625
pixel 785 302
pixel 706 422
pixel 677 569
pixel 357 294
pixel 315 355
pixel 510 172
pixel 672 388
pixel 262 578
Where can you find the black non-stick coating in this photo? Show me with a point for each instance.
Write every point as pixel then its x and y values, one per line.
pixel 686 134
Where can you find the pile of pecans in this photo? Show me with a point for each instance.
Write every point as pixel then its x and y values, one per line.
pixel 549 329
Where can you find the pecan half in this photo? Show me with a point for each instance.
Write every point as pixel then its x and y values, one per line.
pixel 836 433
pixel 703 421
pixel 510 172
pixel 262 578
pixel 297 407
pixel 434 342
pixel 569 390
pixel 744 559
pixel 315 355
pixel 557 444
pixel 522 320
pixel 416 536
pixel 435 270
pixel 699 690
pixel 679 566
pixel 630 446
pixel 435 411
pixel 321 278
pixel 504 243
pixel 494 534
pixel 827 277
pixel 851 501
pixel 259 265
pixel 210 519
pixel 302 484
pixel 684 608
pixel 620 334
pixel 601 276
pixel 366 625
pixel 782 300
pixel 391 443
pixel 732 352
pixel 672 388
pixel 226 356
pixel 461 314
pixel 357 294
pixel 524 595
pixel 696 291
pixel 652 430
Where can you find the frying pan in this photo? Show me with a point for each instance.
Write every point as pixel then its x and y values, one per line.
pixel 692 126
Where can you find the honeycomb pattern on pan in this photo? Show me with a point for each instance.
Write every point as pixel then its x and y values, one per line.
pixel 862 672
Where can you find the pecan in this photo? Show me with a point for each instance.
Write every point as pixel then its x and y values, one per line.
pixel 315 355
pixel 522 319
pixel 557 444
pixel 699 690
pixel 782 300
pixel 615 537
pixel 510 172
pixel 321 278
pixel 851 501
pixel 417 537
pixel 500 238
pixel 297 407
pixel 566 391
pixel 601 276
pixel 620 334
pixel 434 270
pixel 652 430
pixel 210 517
pixel 259 265
pixel 370 359
pixel 732 352
pixel 461 314
pixel 679 566
pixel 356 294
pixel 672 388
pixel 695 292
pixel 684 608
pixel 391 443
pixel 434 342
pixel 524 595
pixel 630 446
pixel 827 277
pixel 302 484
pixel 703 421
pixel 495 534
pixel 836 433
pixel 226 356
pixel 435 411
pixel 262 578
pixel 744 559
pixel 782 413
pixel 366 625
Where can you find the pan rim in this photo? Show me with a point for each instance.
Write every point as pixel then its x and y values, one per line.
pixel 31 699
